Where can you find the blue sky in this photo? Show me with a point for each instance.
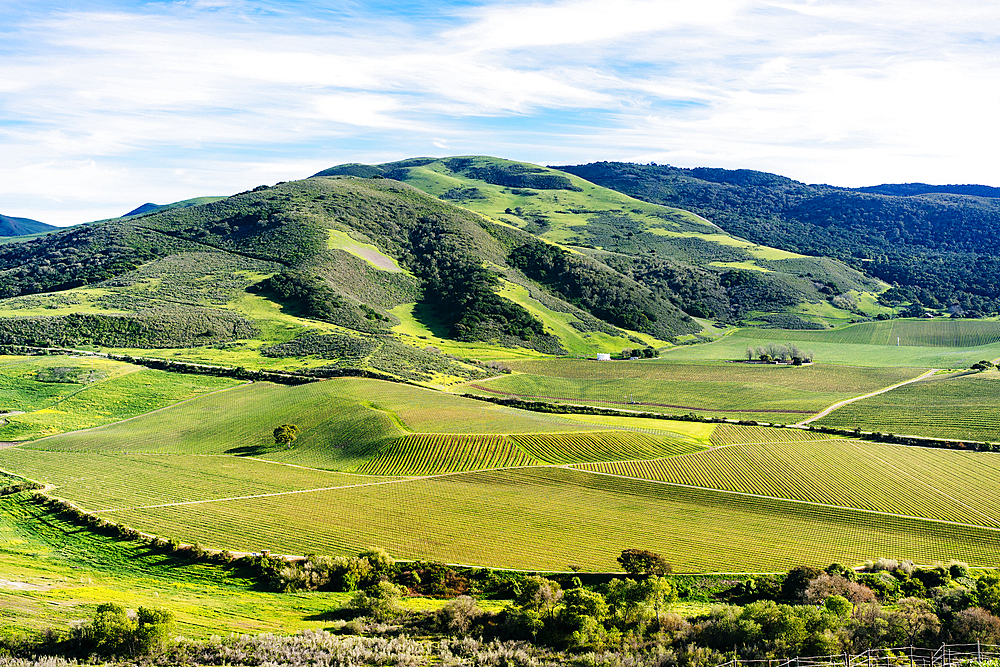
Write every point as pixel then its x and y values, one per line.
pixel 105 104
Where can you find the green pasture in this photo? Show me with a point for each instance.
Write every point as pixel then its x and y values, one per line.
pixel 912 481
pixel 783 394
pixel 342 423
pixel 63 393
pixel 57 574
pixel 547 518
pixel 962 407
pixel 102 482
pixel 837 353
pixel 938 332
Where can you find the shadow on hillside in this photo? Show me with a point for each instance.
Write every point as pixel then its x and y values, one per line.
pixel 342 614
pixel 254 450
pixel 425 314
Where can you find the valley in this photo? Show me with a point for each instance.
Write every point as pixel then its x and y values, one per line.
pixel 431 328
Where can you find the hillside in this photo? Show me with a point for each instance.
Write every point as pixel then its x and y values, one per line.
pixel 680 257
pixel 23 226
pixel 934 242
pixel 421 271
pixel 149 207
pixel 320 274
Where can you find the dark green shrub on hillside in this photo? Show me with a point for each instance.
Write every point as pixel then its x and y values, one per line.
pixel 521 176
pixel 599 290
pixel 158 328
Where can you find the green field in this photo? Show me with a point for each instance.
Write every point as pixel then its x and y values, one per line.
pixel 782 394
pixel 342 423
pixel 66 393
pixel 937 343
pixel 939 332
pixel 960 407
pixel 912 481
pixel 546 518
pixel 101 482
pixel 56 574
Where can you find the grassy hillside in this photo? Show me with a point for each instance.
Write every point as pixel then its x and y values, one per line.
pixel 338 272
pixel 936 242
pixel 678 256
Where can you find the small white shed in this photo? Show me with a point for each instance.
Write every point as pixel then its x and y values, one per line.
pixel 603 356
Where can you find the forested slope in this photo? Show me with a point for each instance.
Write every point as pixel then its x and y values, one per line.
pixel 937 243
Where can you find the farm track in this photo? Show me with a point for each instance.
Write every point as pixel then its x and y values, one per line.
pixel 826 411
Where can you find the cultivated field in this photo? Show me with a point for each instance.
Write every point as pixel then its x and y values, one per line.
pixel 935 343
pixel 913 481
pixel 780 394
pixel 343 423
pixel 426 474
pixel 954 333
pixel 548 518
pixel 962 408
pixel 63 393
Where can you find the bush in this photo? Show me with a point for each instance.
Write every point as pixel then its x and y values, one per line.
pixel 380 602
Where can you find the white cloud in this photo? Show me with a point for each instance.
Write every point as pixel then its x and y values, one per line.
pixel 105 106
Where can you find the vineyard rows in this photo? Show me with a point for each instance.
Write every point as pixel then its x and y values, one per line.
pixel 964 408
pixel 728 434
pixel 900 480
pixel 600 446
pixel 549 518
pixel 928 333
pixel 425 454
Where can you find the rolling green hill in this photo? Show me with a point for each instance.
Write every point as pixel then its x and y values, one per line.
pixel 935 242
pixel 419 269
pixel 149 207
pixel 678 256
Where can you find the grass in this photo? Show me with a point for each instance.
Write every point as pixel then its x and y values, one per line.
pixel 952 333
pixel 341 241
pixel 773 393
pixel 696 432
pixel 106 391
pixel 545 518
pixel 758 251
pixel 342 423
pixel 65 572
pixel 826 352
pixel 962 407
pixel 913 481
pixel 101 482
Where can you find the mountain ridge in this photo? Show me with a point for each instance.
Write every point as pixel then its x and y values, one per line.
pixel 11 226
pixel 933 243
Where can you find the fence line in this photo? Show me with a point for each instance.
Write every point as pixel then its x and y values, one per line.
pixel 947 655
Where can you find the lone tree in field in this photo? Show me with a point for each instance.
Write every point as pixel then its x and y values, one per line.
pixel 286 434
pixel 641 561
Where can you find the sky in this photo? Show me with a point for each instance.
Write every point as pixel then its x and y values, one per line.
pixel 108 104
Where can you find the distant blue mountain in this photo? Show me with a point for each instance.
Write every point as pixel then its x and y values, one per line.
pixel 10 226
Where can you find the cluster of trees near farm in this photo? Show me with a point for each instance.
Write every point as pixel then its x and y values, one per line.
pixel 772 353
